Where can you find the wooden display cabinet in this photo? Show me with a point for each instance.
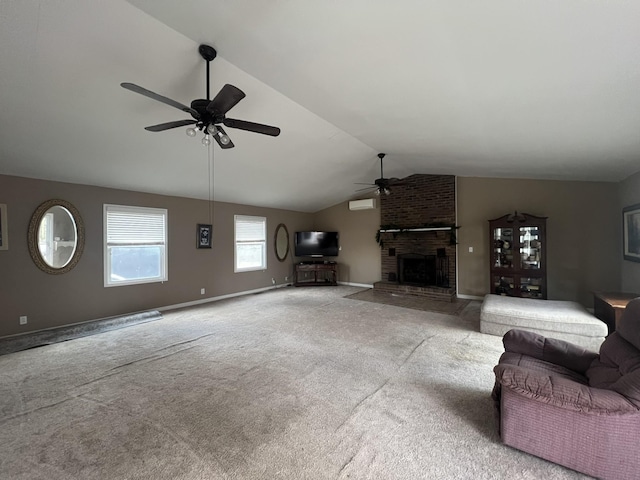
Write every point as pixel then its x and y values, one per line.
pixel 518 255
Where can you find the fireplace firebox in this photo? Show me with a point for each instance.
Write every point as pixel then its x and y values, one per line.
pixel 423 270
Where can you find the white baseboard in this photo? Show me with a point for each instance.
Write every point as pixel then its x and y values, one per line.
pixel 240 294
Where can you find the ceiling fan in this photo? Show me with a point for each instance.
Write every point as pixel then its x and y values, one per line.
pixel 382 185
pixel 207 114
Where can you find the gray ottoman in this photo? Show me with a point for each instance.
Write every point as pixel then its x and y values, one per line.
pixel 563 320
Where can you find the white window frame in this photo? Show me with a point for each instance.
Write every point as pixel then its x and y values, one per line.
pixel 164 266
pixel 260 241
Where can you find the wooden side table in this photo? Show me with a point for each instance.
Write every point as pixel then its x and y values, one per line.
pixel 608 306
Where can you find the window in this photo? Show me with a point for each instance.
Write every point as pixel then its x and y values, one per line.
pixel 251 243
pixel 135 245
pixel 45 238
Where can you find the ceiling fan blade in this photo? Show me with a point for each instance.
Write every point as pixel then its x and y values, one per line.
pixel 367 188
pixel 370 184
pixel 252 127
pixel 217 139
pixel 161 127
pixel 227 98
pixel 167 101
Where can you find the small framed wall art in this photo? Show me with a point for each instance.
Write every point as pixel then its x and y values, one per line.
pixel 631 232
pixel 4 229
pixel 204 236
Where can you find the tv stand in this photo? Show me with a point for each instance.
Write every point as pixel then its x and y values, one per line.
pixel 316 273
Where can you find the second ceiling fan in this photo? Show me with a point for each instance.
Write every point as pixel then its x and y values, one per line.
pixel 207 115
pixel 382 185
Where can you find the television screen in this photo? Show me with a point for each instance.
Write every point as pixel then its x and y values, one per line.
pixel 316 244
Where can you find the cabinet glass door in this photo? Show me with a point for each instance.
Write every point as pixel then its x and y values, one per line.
pixel 530 248
pixel 531 287
pixel 503 286
pixel 503 247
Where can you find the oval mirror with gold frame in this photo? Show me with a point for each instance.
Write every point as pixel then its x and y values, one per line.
pixel 56 236
pixel 281 242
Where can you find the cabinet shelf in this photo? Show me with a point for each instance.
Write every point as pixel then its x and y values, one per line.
pixel 316 274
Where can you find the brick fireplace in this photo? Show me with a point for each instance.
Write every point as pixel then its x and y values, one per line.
pixel 419 262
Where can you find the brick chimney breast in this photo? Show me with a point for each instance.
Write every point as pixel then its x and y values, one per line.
pixel 420 200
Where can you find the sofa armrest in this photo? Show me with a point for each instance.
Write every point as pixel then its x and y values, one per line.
pixel 562 392
pixel 550 350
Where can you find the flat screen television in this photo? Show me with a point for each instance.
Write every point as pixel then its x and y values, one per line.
pixel 316 244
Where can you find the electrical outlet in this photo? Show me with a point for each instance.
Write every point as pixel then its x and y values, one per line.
pixel 286 279
pixel 273 280
pixel 23 320
pixel 202 291
pixel 470 249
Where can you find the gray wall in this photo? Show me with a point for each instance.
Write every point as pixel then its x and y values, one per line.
pixel 629 195
pixel 583 232
pixel 54 300
pixel 584 240
pixel 359 259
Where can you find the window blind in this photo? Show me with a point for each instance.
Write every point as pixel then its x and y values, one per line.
pixel 250 229
pixel 131 226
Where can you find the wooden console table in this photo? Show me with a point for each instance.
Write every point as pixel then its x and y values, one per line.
pixel 608 306
pixel 309 274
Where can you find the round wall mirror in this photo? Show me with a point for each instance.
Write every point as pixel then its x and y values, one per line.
pixel 56 236
pixel 282 242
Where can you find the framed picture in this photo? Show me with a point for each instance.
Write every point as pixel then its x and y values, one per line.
pixel 4 229
pixel 204 236
pixel 631 232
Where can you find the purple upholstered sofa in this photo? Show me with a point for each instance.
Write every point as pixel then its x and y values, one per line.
pixel 571 406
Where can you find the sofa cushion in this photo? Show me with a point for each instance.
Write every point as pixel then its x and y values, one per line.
pixel 561 391
pixel 538 365
pixel 568 321
pixel 617 368
pixel 629 386
pixel 550 350
pixel 617 358
pixel 548 315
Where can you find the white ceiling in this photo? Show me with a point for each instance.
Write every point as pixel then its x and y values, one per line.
pixel 499 88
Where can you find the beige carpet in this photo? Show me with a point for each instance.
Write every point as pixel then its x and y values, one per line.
pixel 288 384
pixel 410 301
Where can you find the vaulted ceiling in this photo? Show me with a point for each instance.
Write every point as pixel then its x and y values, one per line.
pixel 498 88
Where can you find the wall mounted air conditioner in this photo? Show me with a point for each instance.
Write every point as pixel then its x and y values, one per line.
pixel 365 204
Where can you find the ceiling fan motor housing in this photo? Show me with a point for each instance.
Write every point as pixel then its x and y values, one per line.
pixel 207 52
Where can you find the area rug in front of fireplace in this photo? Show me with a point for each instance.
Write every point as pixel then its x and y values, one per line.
pixel 410 301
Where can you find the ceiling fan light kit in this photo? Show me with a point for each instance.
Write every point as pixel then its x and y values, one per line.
pixel 207 114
